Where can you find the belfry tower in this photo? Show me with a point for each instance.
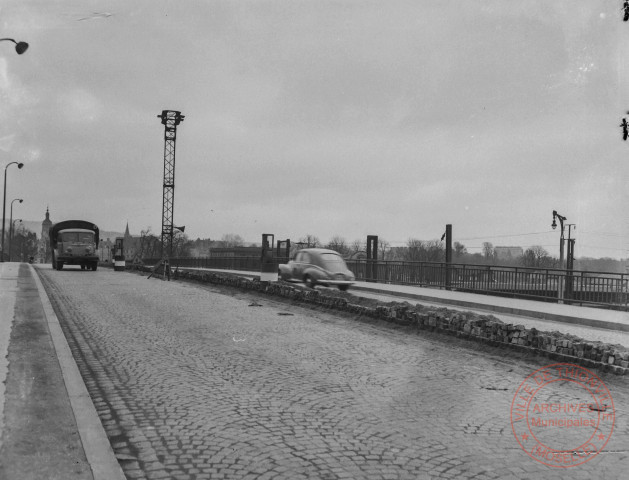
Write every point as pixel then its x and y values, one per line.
pixel 43 249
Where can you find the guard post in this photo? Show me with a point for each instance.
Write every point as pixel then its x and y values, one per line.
pixel 283 250
pixel 268 262
pixel 119 260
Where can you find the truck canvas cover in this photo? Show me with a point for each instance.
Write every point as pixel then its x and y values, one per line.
pixel 70 224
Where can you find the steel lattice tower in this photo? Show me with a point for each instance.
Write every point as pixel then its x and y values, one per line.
pixel 170 120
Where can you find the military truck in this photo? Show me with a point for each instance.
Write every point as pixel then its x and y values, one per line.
pixel 74 242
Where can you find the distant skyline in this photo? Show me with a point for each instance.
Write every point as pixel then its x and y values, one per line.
pixel 322 117
pixel 35 226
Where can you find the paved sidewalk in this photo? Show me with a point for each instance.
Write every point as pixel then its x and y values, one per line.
pixel 592 317
pixel 49 428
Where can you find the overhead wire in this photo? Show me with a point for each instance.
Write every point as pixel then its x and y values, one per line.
pixel 506 236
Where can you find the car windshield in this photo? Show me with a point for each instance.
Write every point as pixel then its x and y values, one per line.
pixel 333 262
pixel 78 237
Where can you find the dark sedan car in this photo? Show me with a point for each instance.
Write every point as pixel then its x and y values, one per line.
pixel 317 266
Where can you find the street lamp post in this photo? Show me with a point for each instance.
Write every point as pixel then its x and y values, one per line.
pixel 4 201
pixel 20 48
pixel 561 241
pixel 11 224
pixel 560 278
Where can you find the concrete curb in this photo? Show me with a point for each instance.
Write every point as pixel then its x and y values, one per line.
pixel 589 322
pixel 98 451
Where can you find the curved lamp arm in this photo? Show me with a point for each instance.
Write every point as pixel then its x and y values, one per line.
pixel 20 47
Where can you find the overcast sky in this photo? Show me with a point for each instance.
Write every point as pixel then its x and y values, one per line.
pixel 391 118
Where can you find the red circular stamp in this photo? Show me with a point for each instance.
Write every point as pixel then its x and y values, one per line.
pixel 562 415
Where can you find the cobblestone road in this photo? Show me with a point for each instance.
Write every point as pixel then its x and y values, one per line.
pixel 195 382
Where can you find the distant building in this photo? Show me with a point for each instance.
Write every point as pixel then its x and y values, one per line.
pixel 105 248
pixel 43 247
pixel 508 253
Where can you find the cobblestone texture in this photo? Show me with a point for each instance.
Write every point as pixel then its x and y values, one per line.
pixel 195 382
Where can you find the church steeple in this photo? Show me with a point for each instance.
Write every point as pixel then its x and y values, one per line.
pixel 46 224
pixel 126 232
pixel 43 250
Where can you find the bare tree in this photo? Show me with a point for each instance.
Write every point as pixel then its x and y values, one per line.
pixel 413 250
pixel 424 251
pixel 435 251
pixel 24 244
pixel 459 250
pixel 150 246
pixel 310 241
pixel 338 244
pixel 537 257
pixel 384 247
pixel 357 246
pixel 232 240
pixel 181 244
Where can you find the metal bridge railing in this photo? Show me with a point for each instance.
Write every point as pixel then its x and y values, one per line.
pixel 600 289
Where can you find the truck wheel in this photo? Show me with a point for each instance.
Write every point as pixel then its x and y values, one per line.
pixel 59 265
pixel 94 266
pixel 82 266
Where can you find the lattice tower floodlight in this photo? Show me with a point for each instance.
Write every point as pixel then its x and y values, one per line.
pixel 170 120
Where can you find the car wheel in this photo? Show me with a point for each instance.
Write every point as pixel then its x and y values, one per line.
pixel 94 266
pixel 343 288
pixel 82 267
pixel 309 281
pixel 59 265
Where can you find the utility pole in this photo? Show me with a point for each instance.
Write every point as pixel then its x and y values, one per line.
pixel 448 237
pixel 570 262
